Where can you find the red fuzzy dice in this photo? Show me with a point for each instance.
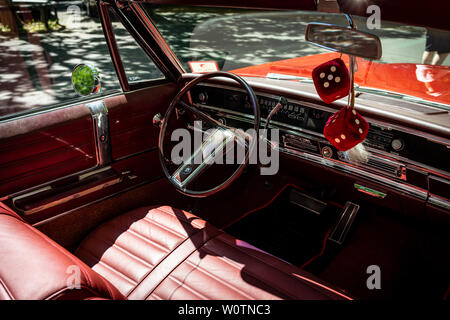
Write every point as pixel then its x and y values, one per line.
pixel 332 80
pixel 345 129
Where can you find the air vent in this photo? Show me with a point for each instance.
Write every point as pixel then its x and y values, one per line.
pixel 380 164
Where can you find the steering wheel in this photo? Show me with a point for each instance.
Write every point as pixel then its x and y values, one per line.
pixel 189 170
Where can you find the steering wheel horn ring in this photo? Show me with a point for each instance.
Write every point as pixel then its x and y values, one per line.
pixel 188 172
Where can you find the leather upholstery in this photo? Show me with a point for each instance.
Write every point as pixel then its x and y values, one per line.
pixel 126 249
pixel 34 267
pixel 165 253
pixel 4 209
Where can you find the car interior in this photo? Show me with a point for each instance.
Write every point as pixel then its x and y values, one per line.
pixel 88 191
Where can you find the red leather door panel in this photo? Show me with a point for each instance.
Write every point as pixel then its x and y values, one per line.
pixel 41 149
pixel 130 119
pixel 44 147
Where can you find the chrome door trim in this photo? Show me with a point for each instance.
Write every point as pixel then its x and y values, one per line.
pixel 99 113
pixel 439 202
pixel 37 111
pixel 80 176
pixel 67 198
pixel 83 206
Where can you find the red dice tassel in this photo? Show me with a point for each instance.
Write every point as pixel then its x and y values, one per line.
pixel 332 80
pixel 345 128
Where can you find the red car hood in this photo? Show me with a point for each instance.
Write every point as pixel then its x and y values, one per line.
pixel 428 82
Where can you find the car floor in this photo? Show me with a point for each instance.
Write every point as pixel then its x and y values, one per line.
pixel 412 257
pixel 285 230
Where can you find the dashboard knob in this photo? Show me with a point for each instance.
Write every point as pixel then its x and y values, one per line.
pixel 157 120
pixel 202 96
pixel 397 144
pixel 327 152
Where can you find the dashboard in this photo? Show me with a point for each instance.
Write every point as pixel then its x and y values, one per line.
pixel 398 157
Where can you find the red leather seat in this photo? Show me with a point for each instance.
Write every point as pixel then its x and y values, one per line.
pixel 165 253
pixel 148 253
pixel 34 267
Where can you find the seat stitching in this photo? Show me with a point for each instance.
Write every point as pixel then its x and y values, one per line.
pixel 178 234
pixel 156 296
pixel 184 285
pixel 124 250
pixel 113 224
pixel 128 253
pixel 163 259
pixel 183 217
pixel 179 263
pixel 149 240
pixel 222 257
pixel 222 281
pixel 8 292
pixel 122 275
pixel 249 273
pixel 309 282
pixel 117 271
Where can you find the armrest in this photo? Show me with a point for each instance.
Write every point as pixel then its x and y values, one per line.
pixel 52 196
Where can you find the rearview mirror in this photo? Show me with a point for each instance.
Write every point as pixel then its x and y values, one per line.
pixel 86 79
pixel 344 40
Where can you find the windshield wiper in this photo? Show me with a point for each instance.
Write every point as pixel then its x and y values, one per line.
pixel 280 76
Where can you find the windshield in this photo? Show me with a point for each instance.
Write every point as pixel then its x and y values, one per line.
pixel 271 44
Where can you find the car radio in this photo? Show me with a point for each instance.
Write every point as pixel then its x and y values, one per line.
pixel 379 138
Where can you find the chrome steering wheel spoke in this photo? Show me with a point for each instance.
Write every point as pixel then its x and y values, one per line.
pixel 215 145
pixel 212 149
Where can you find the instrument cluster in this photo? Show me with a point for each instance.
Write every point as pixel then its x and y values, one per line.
pixel 304 123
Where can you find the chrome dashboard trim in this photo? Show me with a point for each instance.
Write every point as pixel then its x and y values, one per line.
pixel 244 117
pixel 296 130
pixel 372 158
pixel 402 186
pixel 272 96
pixel 413 191
pixel 372 121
